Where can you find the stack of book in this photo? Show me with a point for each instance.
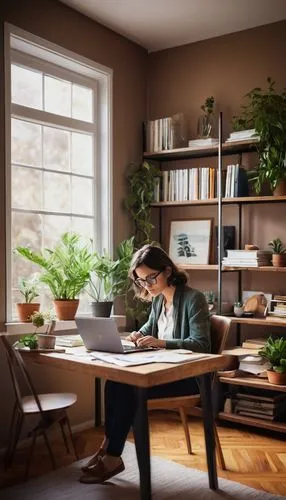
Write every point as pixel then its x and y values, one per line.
pixel 200 143
pixel 254 365
pixel 267 408
pixel 277 306
pixel 247 258
pixel 69 340
pixel 165 133
pixel 243 135
pixel 257 343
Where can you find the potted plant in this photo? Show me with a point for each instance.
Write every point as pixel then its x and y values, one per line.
pixel 238 309
pixel 274 351
pixel 66 271
pixel 279 253
pixel 205 123
pixel 29 288
pixel 266 110
pixel 34 340
pixel 109 278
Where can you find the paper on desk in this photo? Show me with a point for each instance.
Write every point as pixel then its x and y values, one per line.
pixel 146 357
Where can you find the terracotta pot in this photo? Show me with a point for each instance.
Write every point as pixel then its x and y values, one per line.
pixel 25 310
pixel 101 309
pixel 280 189
pixel 46 341
pixel 279 260
pixel 276 378
pixel 66 309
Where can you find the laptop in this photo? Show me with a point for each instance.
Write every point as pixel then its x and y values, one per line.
pixel 101 334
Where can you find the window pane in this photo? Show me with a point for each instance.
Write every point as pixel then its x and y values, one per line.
pixel 56 192
pixel 82 196
pixel 26 231
pixel 56 149
pixel 57 96
pixel 82 162
pixel 26 188
pixel 82 103
pixel 54 227
pixel 26 143
pixel 26 87
pixel 85 227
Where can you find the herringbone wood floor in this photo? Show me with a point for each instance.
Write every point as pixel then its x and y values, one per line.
pixel 254 459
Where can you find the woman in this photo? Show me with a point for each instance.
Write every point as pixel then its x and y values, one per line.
pixel 179 319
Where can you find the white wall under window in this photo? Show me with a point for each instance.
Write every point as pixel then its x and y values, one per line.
pixel 58 151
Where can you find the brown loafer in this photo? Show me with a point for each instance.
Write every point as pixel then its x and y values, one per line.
pixel 99 473
pixel 93 461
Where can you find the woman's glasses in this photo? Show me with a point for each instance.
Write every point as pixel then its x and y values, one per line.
pixel 149 280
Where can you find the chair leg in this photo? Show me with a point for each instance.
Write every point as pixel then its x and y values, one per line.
pixel 62 422
pixel 49 449
pixel 71 437
pixel 219 453
pixel 7 455
pixel 30 456
pixel 186 428
pixel 18 428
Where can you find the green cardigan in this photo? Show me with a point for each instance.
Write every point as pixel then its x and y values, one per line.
pixel 191 320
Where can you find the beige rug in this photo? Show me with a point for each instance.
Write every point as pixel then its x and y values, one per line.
pixel 169 481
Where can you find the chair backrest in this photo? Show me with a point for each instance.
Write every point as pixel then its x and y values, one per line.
pixel 220 326
pixel 19 374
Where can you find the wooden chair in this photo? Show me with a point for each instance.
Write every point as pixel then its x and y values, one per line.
pixel 220 326
pixel 50 408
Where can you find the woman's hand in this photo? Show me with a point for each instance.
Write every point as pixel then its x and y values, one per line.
pixel 149 341
pixel 134 336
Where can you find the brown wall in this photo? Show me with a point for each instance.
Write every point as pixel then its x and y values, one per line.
pixel 59 24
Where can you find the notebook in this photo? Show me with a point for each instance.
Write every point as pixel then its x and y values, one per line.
pixel 69 340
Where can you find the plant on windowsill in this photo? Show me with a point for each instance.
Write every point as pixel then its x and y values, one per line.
pixel 109 278
pixel 266 111
pixel 66 271
pixel 29 288
pixel 274 351
pixel 279 253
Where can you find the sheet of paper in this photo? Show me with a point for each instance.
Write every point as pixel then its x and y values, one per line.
pixel 143 358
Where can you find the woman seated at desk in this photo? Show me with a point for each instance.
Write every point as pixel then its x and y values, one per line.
pixel 179 318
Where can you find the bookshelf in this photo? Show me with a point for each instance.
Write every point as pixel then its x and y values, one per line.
pixel 222 150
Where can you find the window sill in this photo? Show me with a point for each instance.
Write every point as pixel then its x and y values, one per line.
pixel 16 327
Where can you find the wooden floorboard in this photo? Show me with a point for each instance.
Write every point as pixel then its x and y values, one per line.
pixel 254 459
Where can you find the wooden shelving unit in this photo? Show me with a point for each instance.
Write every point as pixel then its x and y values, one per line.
pixel 214 267
pixel 214 201
pixel 253 422
pixel 268 321
pixel 203 152
pixel 258 383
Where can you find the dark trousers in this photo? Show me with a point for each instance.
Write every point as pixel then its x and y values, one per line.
pixel 121 406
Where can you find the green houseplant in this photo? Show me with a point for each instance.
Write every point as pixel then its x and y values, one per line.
pixel 109 278
pixel 65 270
pixel 266 112
pixel 29 288
pixel 141 182
pixel 279 253
pixel 31 341
pixel 205 123
pixel 274 351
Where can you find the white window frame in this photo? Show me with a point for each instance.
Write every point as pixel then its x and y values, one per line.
pixel 20 47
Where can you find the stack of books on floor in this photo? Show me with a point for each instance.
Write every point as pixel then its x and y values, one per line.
pixel 267 408
pixel 247 258
pixel 243 135
pixel 278 306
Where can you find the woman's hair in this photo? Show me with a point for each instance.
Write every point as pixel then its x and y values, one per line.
pixel 155 258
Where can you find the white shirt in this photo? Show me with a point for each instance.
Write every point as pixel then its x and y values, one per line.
pixel 166 323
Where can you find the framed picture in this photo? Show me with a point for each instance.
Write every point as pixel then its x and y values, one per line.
pixel 190 241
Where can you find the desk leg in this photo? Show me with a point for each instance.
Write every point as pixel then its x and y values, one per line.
pixel 97 400
pixel 206 395
pixel 141 435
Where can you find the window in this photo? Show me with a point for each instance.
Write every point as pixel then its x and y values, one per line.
pixel 54 182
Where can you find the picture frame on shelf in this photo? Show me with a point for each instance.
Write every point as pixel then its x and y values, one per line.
pixel 190 241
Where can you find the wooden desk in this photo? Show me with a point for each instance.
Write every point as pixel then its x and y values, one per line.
pixel 142 377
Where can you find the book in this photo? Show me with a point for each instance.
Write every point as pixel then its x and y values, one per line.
pixel 246 254
pixel 254 415
pixel 197 143
pixel 267 399
pixel 69 340
pixel 256 343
